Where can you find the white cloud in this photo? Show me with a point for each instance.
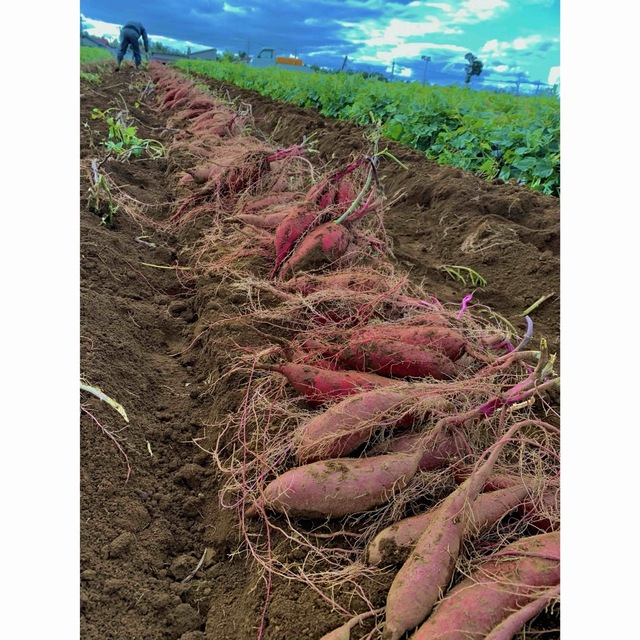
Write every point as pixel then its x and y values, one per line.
pixel 498 49
pixel 100 29
pixel 443 6
pixel 554 75
pixel 231 9
pixel 520 44
pixel 479 10
pixel 395 32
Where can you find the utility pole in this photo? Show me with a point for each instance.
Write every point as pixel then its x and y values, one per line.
pixel 393 66
pixel 427 60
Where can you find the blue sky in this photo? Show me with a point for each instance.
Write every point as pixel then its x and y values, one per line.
pixel 513 38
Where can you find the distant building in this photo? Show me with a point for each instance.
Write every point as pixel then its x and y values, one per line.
pixel 207 54
pixel 91 41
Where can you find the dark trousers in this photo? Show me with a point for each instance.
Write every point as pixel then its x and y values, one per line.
pixel 130 38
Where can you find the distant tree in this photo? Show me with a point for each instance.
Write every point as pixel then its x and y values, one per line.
pixel 375 75
pixel 158 47
pixel 226 56
pixel 472 68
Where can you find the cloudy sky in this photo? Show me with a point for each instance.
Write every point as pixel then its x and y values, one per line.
pixel 513 38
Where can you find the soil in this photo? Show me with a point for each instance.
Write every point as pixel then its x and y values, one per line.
pixel 160 559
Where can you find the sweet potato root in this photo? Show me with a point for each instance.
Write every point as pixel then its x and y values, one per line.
pixel 343 427
pixel 444 339
pixel 499 586
pixel 294 225
pixel 429 568
pixel 320 247
pixel 339 487
pixel 390 357
pixel 319 385
pixel 393 544
pixel 308 283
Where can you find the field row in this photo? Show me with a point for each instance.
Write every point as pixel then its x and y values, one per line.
pixel 499 136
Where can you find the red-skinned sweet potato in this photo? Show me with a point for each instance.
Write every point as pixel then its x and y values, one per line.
pixel 319 385
pixel 429 568
pixel 320 247
pixel 343 427
pixel 294 225
pixel 502 584
pixel 393 544
pixel 339 487
pixel 390 357
pixel 444 339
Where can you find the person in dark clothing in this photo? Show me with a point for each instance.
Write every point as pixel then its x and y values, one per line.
pixel 130 37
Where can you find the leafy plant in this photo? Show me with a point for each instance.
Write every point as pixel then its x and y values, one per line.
pixel 93 78
pixel 506 136
pixel 122 139
pixel 466 275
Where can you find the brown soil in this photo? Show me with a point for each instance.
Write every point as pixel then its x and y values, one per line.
pixel 149 340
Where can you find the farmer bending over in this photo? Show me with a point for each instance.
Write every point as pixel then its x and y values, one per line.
pixel 130 35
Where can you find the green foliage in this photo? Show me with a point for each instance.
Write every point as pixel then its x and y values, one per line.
pixel 122 140
pixel 494 135
pixel 94 54
pixel 93 78
pixel 466 275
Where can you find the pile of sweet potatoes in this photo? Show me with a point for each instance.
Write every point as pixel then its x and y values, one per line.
pixel 373 411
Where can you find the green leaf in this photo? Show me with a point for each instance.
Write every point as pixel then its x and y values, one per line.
pixel 543 168
pixel 524 164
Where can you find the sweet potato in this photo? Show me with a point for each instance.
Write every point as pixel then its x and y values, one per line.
pixel 319 385
pixel 294 225
pixel 443 448
pixel 390 357
pixel 393 544
pixel 500 585
pixel 265 202
pixel 339 487
pixel 269 221
pixel 444 339
pixel 363 281
pixel 514 622
pixel 343 427
pixel 320 247
pixel 428 319
pixel 427 571
pixel 346 195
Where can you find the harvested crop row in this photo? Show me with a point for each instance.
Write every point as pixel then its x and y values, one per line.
pixel 369 396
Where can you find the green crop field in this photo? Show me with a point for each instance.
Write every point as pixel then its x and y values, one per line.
pixel 93 54
pixel 496 135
